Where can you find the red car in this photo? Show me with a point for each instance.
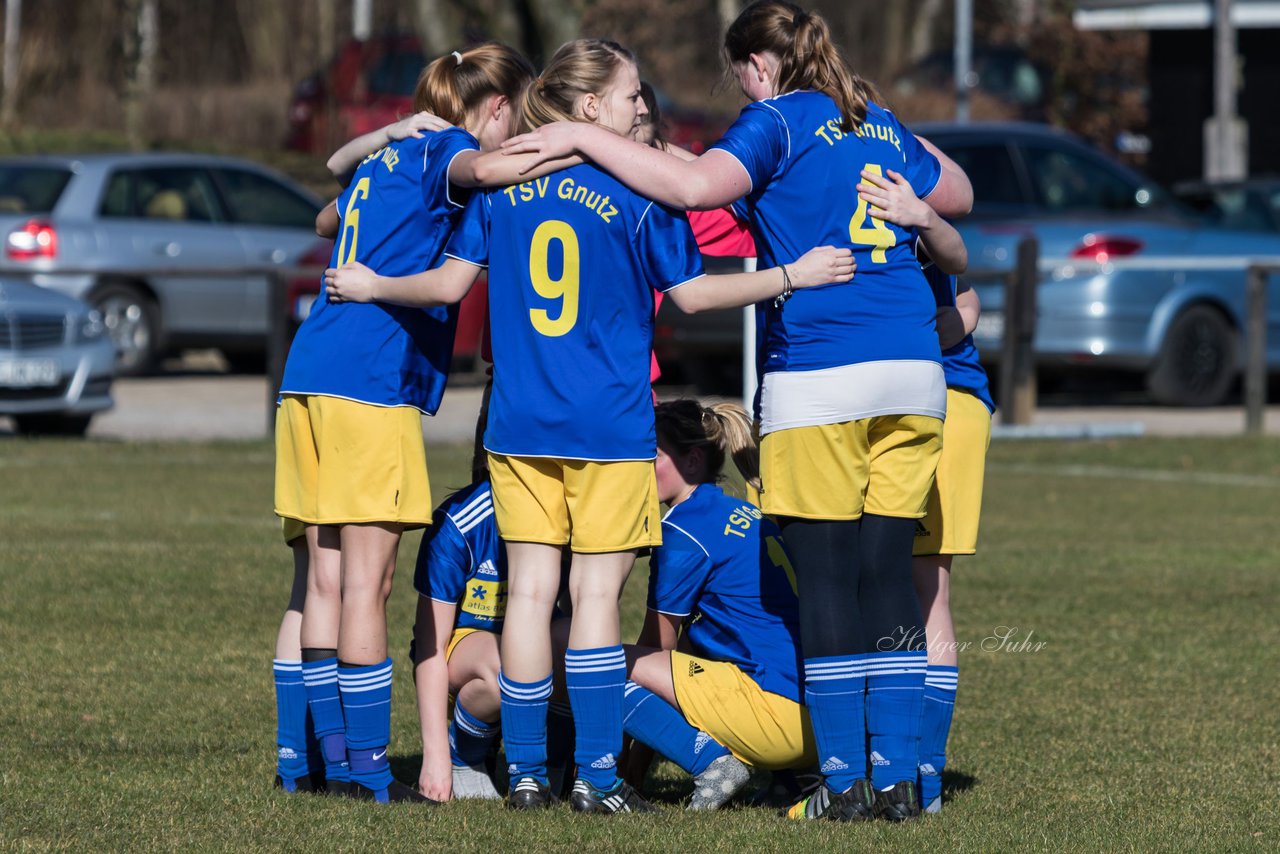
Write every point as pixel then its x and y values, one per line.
pixel 365 86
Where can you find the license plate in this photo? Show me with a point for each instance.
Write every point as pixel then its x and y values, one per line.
pixel 302 306
pixel 990 326
pixel 29 373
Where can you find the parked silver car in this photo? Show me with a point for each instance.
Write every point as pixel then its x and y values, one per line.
pixel 1130 279
pixel 56 361
pixel 168 247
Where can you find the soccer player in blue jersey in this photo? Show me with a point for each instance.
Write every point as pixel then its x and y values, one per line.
pixel 852 394
pixel 350 462
pixel 722 577
pixel 955 501
pixel 574 258
pixel 461 579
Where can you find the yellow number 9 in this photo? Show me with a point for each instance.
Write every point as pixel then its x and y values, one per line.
pixel 564 288
pixel 351 222
pixel 877 234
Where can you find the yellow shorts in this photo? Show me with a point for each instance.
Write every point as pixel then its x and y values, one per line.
pixel 458 635
pixel 341 462
pixel 950 527
pixel 762 729
pixel 593 507
pixel 882 465
pixel 292 530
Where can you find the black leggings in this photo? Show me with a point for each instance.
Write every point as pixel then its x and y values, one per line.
pixel 854 580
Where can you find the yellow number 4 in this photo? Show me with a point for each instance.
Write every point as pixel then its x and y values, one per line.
pixel 877 234
pixel 564 288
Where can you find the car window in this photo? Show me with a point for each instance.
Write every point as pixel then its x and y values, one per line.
pixel 259 200
pixel 180 194
pixel 31 189
pixel 990 167
pixel 1067 182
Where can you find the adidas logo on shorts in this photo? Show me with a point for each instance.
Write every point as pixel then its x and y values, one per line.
pixel 921 530
pixel 877 759
pixel 695 668
pixel 605 762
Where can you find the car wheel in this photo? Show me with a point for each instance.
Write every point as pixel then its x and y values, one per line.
pixel 52 425
pixel 1197 361
pixel 131 319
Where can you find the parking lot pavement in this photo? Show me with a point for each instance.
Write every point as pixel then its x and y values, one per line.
pixel 222 406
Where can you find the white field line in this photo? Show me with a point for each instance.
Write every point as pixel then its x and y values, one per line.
pixel 1146 475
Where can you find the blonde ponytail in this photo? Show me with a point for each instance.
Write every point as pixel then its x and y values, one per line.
pixel 719 430
pixel 457 83
pixel 807 56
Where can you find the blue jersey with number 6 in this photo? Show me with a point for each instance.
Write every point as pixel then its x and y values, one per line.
pixel 804 173
pixel 574 258
pixel 397 213
pixel 722 566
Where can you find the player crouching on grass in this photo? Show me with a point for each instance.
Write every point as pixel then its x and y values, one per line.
pixel 461 579
pixel 722 575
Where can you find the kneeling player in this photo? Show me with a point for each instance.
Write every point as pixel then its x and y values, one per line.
pixel 723 574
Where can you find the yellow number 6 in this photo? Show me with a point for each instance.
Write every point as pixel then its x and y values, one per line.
pixel 564 288
pixel 351 222
pixel 877 234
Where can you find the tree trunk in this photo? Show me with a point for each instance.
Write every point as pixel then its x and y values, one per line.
pixel 141 38
pixel 439 26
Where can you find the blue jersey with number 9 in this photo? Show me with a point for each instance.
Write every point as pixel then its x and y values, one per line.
pixel 722 566
pixel 396 214
pixel 804 173
pixel 574 258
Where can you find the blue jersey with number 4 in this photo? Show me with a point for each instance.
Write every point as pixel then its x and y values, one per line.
pixel 804 173
pixel 723 567
pixel 462 562
pixel 396 215
pixel 574 258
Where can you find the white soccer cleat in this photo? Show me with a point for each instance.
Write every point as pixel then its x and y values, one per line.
pixel 723 779
pixel 470 782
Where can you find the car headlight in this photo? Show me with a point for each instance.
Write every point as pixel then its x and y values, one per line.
pixel 90 327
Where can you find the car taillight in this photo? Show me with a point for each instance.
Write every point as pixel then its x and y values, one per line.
pixel 34 239
pixel 1103 247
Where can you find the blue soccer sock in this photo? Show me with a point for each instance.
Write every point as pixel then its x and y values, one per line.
pixel 292 744
pixel 939 701
pixel 649 719
pixel 595 678
pixel 366 703
pixel 469 737
pixel 524 726
pixel 895 699
pixel 834 689
pixel 321 681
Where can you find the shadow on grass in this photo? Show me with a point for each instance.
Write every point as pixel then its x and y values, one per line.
pixel 955 782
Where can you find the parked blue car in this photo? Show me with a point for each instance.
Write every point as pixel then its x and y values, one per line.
pixel 56 360
pixel 1129 277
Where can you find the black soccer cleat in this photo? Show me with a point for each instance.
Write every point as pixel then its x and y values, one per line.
pixel 396 793
pixel 530 793
pixel 900 803
pixel 586 798
pixel 300 784
pixel 337 788
pixel 853 804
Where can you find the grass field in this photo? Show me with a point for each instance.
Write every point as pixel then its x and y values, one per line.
pixel 141 586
